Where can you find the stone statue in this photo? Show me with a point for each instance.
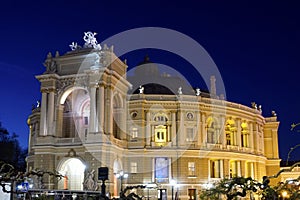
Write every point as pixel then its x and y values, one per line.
pixel 89 182
pixel 141 89
pixel 254 105
pixel 180 90
pixel 50 64
pixel 198 92
pixel 91 41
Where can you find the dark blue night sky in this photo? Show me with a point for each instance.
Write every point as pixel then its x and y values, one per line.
pixel 255 45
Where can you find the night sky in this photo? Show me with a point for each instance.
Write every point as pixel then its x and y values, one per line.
pixel 255 45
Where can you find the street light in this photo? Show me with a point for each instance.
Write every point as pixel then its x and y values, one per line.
pixel 121 175
pixel 173 183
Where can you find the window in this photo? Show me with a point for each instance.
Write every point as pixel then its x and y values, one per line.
pixel 234 169
pixel 212 131
pixel 161 169
pixel 134 133
pixel 191 168
pixel 244 135
pixel 192 194
pixel 160 118
pixel 86 120
pixel 230 130
pixel 216 168
pixel 160 134
pixel 133 167
pixel 190 135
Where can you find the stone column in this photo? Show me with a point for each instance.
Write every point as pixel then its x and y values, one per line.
pixel 173 131
pixel 148 128
pixel 238 166
pixel 204 134
pixel 50 113
pixel 92 109
pixel 251 136
pixel 222 132
pixel 59 120
pixel 238 134
pixel 221 169
pixel 110 112
pixel 100 109
pixel 182 131
pixel 43 123
pixel 199 126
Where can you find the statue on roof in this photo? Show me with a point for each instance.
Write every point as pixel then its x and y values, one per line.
pixel 50 64
pixel 141 89
pixel 198 91
pixel 91 41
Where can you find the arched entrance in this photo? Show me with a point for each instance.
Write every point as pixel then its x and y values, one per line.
pixel 73 170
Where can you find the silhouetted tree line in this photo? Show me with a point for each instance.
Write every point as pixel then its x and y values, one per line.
pixel 11 151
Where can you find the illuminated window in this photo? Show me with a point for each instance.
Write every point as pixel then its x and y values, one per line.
pixel 230 131
pixel 133 167
pixel 190 135
pixel 234 169
pixel 160 134
pixel 191 168
pixel 134 133
pixel 216 168
pixel 212 131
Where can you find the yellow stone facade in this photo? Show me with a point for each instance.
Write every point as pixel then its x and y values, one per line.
pixel 87 119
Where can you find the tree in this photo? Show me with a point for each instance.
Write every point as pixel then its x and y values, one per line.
pixel 11 151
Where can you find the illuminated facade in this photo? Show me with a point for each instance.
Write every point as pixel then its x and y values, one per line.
pixel 89 119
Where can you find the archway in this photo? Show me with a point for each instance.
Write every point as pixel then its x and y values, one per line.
pixel 73 170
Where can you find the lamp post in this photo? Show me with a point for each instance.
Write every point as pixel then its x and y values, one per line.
pixel 173 183
pixel 121 175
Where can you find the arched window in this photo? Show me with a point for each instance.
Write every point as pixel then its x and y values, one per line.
pixel 230 130
pixel 212 131
pixel 244 135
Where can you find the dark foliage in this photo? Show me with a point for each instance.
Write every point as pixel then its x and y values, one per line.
pixel 11 151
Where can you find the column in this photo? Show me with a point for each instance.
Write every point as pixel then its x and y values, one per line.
pixel 100 109
pixel 238 163
pixel 221 169
pixel 59 121
pixel 43 123
pixel 92 109
pixel 199 126
pixel 173 131
pixel 223 134
pixel 181 130
pixel 238 134
pixel 110 112
pixel 148 128
pixel 251 136
pixel 252 169
pixel 204 134
pixel 50 118
pixel 257 138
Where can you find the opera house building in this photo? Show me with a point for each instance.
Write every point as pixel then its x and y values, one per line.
pixel 176 138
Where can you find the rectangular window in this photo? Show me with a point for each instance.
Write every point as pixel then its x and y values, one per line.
pixel 190 137
pixel 161 169
pixel 86 120
pixel 134 133
pixel 215 168
pixel 133 167
pixel 191 168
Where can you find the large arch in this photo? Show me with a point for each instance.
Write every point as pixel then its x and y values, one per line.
pixel 73 171
pixel 73 113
